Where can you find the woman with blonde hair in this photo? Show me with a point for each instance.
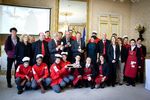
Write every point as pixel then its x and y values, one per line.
pixel 23 49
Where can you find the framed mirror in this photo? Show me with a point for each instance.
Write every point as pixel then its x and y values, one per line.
pixel 72 16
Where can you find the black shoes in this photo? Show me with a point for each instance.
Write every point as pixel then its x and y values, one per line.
pixel 102 86
pixel 20 91
pixel 9 86
pixel 92 86
pixel 113 85
pixel 127 84
pixel 120 84
pixel 133 85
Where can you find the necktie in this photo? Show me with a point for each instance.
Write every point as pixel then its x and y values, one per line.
pixel 43 49
pixel 104 48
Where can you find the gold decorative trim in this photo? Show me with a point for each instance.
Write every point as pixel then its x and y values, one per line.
pixel 88 18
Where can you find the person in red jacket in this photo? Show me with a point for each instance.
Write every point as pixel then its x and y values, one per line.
pixel 23 75
pixel 56 73
pixel 41 74
pixel 64 64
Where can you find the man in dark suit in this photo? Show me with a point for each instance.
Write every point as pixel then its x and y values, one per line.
pixel 55 46
pixel 103 46
pixel 41 47
pixel 67 40
pixel 78 47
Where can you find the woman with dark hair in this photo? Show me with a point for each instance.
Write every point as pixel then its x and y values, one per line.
pixel 10 45
pixel 102 73
pixel 140 76
pixel 122 60
pixel 125 42
pixel 113 58
pixel 133 62
pixel 23 49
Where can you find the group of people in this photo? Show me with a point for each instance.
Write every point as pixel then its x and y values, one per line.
pixel 67 61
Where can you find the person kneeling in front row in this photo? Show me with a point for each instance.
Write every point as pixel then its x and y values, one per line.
pixel 89 73
pixel 102 73
pixel 66 74
pixel 56 73
pixel 41 74
pixel 23 75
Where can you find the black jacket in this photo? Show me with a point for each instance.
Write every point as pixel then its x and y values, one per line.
pixel 92 50
pixel 36 47
pixel 52 50
pixel 80 70
pixel 111 53
pixel 94 71
pixel 123 54
pixel 105 69
pixel 101 46
pixel 144 51
pixel 67 49
pixel 75 47
pixel 22 50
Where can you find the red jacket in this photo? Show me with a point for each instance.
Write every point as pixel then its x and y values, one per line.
pixel 73 37
pixel 127 46
pixel 47 39
pixel 96 40
pixel 23 71
pixel 65 71
pixel 56 74
pixel 87 73
pixel 40 71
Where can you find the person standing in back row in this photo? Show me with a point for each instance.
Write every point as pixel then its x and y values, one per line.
pixel 23 49
pixel 113 58
pixel 41 47
pixel 10 45
pixel 133 63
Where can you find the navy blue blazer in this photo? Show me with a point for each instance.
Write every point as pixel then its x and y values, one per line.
pixel 111 53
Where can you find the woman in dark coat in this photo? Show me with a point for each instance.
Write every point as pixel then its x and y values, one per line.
pixel 113 58
pixel 92 50
pixel 23 49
